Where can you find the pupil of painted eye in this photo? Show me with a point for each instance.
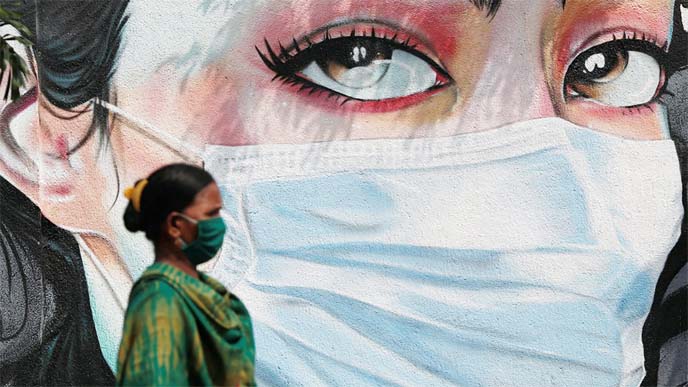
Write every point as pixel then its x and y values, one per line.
pixel 351 53
pixel 601 64
pixel 355 62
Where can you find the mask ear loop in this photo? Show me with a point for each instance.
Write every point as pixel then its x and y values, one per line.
pixel 192 220
pixel 172 143
pixel 183 244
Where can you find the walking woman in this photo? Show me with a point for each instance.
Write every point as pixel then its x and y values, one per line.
pixel 181 326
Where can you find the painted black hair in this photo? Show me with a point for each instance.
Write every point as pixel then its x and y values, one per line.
pixel 76 44
pixel 171 188
pixel 664 332
pixel 492 6
pixel 679 43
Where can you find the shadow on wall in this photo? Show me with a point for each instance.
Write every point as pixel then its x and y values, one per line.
pixel 665 334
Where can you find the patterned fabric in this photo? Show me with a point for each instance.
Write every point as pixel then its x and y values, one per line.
pixel 179 330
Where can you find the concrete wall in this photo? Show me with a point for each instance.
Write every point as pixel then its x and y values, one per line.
pixel 417 192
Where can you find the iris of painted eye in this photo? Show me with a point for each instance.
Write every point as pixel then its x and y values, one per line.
pixel 354 64
pixel 621 73
pixel 369 69
pixel 365 68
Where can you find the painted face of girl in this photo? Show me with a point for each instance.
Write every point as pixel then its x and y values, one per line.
pixel 259 72
pixel 244 72
pixel 294 72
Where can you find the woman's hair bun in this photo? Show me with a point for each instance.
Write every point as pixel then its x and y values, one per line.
pixel 132 219
pixel 132 214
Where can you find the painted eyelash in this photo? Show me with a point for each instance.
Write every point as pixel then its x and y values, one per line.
pixel 661 49
pixel 670 66
pixel 661 96
pixel 280 63
pixel 661 54
pixel 285 72
pixel 286 64
pixel 643 37
pixel 632 110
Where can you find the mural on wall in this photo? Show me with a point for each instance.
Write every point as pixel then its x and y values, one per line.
pixel 465 192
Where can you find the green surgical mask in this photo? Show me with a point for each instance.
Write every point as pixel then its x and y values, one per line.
pixel 211 233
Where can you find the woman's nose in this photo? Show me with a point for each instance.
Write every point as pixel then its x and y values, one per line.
pixel 512 91
pixel 513 85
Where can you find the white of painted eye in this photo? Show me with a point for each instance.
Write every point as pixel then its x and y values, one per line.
pixel 684 16
pixel 636 85
pixel 402 75
pixel 362 77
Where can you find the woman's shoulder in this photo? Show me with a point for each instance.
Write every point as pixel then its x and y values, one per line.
pixel 235 302
pixel 157 281
pixel 154 296
pixel 237 305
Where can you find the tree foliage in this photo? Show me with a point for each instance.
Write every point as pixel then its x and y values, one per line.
pixel 13 68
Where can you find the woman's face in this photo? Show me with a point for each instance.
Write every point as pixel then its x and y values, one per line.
pixel 206 205
pixel 257 72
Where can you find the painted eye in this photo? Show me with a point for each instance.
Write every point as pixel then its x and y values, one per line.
pixel 621 73
pixel 370 69
pixel 364 68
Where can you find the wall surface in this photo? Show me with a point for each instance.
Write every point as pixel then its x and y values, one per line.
pixel 416 192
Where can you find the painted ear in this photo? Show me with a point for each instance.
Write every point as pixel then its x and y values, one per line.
pixel 19 126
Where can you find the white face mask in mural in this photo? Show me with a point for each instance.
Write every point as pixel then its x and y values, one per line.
pixel 514 256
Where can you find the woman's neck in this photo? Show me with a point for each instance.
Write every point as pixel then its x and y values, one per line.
pixel 176 259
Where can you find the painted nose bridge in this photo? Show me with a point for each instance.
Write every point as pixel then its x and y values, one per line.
pixel 514 83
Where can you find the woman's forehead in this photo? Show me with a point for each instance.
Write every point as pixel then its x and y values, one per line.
pixel 180 33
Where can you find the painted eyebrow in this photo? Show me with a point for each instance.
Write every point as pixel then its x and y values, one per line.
pixel 492 6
